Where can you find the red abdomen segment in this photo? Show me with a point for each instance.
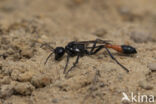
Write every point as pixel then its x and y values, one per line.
pixel 126 49
pixel 115 47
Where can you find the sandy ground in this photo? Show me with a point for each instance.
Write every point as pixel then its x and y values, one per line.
pixel 97 79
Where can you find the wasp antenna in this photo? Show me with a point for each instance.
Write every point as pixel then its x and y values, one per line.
pixel 47 45
pixel 48 57
pixel 43 45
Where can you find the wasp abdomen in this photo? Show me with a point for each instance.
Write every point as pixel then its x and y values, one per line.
pixel 128 49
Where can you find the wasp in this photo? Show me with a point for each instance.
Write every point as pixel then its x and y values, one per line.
pixel 87 48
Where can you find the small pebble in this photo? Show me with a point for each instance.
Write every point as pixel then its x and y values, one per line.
pixel 5 80
pixel 102 85
pixel 27 53
pixel 23 88
pixel 140 36
pixel 125 102
pixel 100 32
pixel 55 100
pixel 41 80
pixel 145 85
pixel 6 91
pixel 15 74
pixel 124 10
pixel 27 76
pixel 8 8
pixel 152 66
pixel 6 71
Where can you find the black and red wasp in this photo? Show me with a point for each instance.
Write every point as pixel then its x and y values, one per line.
pixel 83 48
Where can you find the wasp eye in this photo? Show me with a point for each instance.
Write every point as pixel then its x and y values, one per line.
pixel 128 49
pixel 59 52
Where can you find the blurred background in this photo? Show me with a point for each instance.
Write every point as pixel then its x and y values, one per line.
pixel 75 17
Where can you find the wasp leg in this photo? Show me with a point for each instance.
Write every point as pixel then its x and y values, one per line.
pixel 101 47
pixel 116 59
pixel 94 46
pixel 66 64
pixel 74 64
pixel 97 50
